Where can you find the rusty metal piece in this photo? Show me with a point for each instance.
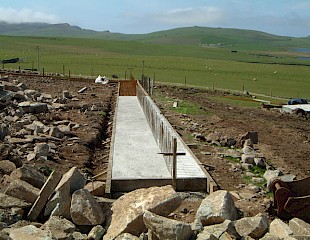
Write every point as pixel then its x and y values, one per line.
pixel 292 198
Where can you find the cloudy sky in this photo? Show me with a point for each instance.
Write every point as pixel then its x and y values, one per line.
pixel 281 17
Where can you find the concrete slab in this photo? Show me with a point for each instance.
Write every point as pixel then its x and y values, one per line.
pixel 135 150
pixel 136 162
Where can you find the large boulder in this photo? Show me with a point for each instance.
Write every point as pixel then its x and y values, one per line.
pixel 85 210
pixel 254 227
pixel 279 228
pixel 59 204
pixel 30 232
pixel 29 174
pixel 60 228
pixel 216 208
pixel 7 201
pixel 299 227
pixel 164 228
pixel 159 200
pixel 22 190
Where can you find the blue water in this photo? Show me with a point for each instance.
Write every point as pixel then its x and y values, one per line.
pixel 304 50
pixel 304 58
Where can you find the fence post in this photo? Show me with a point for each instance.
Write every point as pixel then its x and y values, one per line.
pixel 174 164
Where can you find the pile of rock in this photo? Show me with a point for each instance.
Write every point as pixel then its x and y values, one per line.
pixel 26 137
pixel 61 207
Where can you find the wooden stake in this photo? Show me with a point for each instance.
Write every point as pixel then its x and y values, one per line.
pixel 174 164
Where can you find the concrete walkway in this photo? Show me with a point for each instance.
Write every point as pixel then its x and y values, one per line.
pixel 136 162
pixel 135 150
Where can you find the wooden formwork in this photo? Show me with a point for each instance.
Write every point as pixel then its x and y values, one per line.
pixel 127 88
pixel 164 135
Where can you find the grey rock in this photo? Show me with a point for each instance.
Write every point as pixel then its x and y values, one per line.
pixel 60 228
pixel 85 210
pixel 4 236
pixel 247 159
pixel 79 236
pixel 11 87
pixel 96 233
pixel 248 150
pixel 5 150
pixel 6 167
pixel 299 227
pixel 7 201
pixel 260 162
pixel 269 236
pixel 33 107
pixel 279 228
pixel 217 230
pixel 42 149
pixel 270 174
pixel 164 228
pixel 4 131
pixel 56 132
pixel 30 232
pixel 45 98
pixel 159 200
pixel 22 86
pixel 127 236
pixel 31 94
pixel 216 208
pixel 254 227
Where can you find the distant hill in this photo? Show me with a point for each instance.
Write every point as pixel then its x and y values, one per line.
pixel 204 36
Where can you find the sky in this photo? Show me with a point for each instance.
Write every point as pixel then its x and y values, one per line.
pixel 280 17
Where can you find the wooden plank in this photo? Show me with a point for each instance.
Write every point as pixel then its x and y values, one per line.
pixel 174 164
pixel 46 191
pixel 128 88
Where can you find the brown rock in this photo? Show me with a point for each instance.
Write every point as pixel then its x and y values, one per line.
pixel 7 201
pixel 30 232
pixel 159 200
pixel 59 205
pixel 96 188
pixel 30 175
pixel 85 210
pixel 6 167
pixel 22 190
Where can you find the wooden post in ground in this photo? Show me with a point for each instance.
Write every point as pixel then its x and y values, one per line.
pixel 174 164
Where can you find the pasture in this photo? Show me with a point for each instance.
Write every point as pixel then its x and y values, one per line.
pixel 275 72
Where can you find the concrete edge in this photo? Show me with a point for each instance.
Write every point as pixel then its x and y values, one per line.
pixel 110 164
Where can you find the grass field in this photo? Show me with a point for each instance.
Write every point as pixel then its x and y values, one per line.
pixel 271 70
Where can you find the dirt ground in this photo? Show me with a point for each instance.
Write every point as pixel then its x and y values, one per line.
pixel 90 154
pixel 284 140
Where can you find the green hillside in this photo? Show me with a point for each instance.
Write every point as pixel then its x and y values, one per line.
pixel 215 58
